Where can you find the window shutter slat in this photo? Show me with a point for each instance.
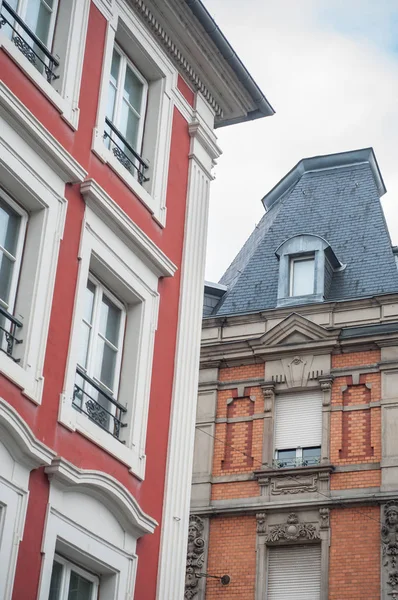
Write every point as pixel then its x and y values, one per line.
pixel 298 420
pixel 294 572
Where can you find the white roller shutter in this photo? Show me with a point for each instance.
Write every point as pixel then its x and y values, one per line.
pixel 294 572
pixel 298 420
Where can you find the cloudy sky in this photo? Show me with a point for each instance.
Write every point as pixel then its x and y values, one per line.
pixel 330 70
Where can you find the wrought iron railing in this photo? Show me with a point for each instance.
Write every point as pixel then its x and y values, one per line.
pixel 291 463
pixel 108 417
pixel 136 165
pixel 30 50
pixel 8 328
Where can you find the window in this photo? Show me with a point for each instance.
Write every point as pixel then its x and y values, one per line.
pixel 125 113
pixel 302 276
pixel 294 571
pixel 31 24
pixel 70 582
pixel 298 429
pixel 100 355
pixel 13 221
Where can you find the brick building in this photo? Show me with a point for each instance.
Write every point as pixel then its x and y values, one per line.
pixel 295 482
pixel 108 110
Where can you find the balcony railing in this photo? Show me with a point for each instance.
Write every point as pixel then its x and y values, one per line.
pixel 135 165
pixel 31 48
pixel 292 463
pixel 108 417
pixel 8 329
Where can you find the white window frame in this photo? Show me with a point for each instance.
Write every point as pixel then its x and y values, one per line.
pixel 69 566
pixel 19 249
pixel 124 63
pixel 293 261
pixel 68 43
pixel 104 253
pixel 146 54
pixel 40 190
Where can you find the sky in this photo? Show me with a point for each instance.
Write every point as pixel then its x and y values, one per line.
pixel 329 68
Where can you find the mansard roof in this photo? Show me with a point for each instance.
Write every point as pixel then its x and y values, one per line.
pixel 335 197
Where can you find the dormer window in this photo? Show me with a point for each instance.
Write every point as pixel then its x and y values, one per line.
pixel 302 274
pixel 306 266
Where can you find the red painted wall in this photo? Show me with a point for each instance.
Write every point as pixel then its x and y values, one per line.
pixel 43 419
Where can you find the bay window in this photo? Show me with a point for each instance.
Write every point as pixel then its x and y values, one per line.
pixel 70 582
pixel 100 357
pixel 298 429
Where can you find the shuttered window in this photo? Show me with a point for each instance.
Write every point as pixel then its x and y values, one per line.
pixel 294 572
pixel 298 420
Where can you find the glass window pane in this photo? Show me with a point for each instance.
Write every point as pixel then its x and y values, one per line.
pixel 110 107
pixel 83 347
pixel 6 272
pixel 105 363
pixel 6 29
pixel 115 68
pixel 133 89
pixel 89 302
pixel 38 19
pixel 311 456
pixel 110 321
pixel 56 580
pixel 286 458
pixel 303 277
pixel 79 587
pixel 129 124
pixel 10 222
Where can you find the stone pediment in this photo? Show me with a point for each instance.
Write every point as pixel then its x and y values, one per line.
pixel 296 330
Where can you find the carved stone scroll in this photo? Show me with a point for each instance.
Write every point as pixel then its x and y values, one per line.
pixel 261 522
pixel 389 544
pixel 292 530
pixel 195 556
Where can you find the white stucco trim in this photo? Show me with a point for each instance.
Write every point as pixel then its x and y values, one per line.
pixel 130 274
pixel 174 535
pixel 69 43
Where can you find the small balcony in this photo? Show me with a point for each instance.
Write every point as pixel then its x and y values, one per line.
pixel 125 153
pixel 9 326
pixel 90 398
pixel 28 43
pixel 292 463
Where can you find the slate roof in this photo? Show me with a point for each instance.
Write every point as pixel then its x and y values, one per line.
pixel 336 197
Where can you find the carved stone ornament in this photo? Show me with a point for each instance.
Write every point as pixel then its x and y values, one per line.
pixel 292 530
pixel 324 515
pixel 195 556
pixel 293 484
pixel 261 522
pixel 389 542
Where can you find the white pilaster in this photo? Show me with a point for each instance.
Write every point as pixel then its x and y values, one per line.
pixel 174 539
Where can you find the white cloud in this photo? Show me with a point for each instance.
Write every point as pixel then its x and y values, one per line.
pixel 330 72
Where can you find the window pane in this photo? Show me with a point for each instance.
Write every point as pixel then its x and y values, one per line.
pixel 56 580
pixel 110 321
pixel 110 108
pixel 89 302
pixel 83 347
pixel 106 363
pixel 9 227
pixel 115 67
pixel 311 456
pixel 6 271
pixel 303 277
pixel 38 18
pixel 129 124
pixel 133 88
pixel 79 587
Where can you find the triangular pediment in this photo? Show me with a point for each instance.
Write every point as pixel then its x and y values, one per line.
pixel 296 329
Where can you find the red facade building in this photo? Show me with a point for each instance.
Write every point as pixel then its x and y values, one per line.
pixel 108 110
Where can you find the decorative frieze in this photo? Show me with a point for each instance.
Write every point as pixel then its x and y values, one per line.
pixel 389 544
pixel 293 481
pixel 292 531
pixel 195 556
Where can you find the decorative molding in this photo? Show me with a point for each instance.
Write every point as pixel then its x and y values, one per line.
pixel 292 531
pixel 261 522
pixel 324 515
pixel 294 484
pixel 195 556
pixel 102 204
pixel 269 395
pixel 175 54
pixel 389 545
pixel 110 491
pixel 325 382
pixel 19 439
pixel 298 480
pixel 37 136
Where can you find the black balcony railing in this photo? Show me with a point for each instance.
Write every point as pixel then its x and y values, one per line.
pixel 291 463
pixel 33 49
pixel 8 328
pixel 104 410
pixel 125 153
